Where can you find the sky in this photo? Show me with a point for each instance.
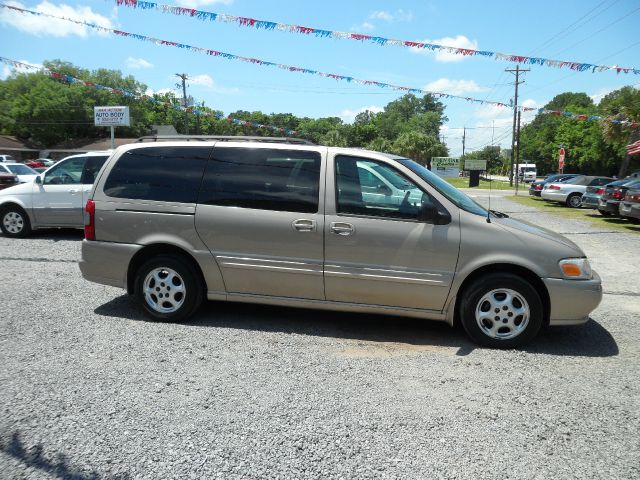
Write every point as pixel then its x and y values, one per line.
pixel 587 31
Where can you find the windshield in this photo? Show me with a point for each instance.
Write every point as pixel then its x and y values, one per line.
pixel 19 169
pixel 445 188
pixel 528 169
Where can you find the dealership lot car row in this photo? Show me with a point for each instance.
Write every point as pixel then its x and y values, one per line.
pixel 289 223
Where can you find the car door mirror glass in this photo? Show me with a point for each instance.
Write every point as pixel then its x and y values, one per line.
pixel 38 179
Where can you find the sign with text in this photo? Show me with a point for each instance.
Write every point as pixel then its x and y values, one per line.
pixel 474 164
pixel 111 116
pixel 446 167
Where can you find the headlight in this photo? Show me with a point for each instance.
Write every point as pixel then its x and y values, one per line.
pixel 575 268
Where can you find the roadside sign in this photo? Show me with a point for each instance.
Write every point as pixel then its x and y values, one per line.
pixel 111 116
pixel 474 164
pixel 446 167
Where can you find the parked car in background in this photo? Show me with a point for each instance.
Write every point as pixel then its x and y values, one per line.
pixel 536 187
pixel 593 194
pixel 7 159
pixel 614 192
pixel 34 164
pixel 630 204
pixel 46 161
pixel 291 223
pixel 8 180
pixel 41 169
pixel 56 198
pixel 570 192
pixel 25 174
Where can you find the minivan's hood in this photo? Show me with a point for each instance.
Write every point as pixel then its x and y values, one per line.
pixel 17 189
pixel 524 226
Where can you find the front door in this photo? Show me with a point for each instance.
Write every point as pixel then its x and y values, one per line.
pixel 260 216
pixel 380 253
pixel 58 200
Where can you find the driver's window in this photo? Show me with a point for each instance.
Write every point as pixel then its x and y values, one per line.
pixel 361 190
pixel 68 172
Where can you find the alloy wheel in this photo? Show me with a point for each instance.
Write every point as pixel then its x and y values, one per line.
pixel 13 222
pixel 164 290
pixel 502 314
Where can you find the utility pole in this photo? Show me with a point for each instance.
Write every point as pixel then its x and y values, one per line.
pixel 515 110
pixel 518 153
pixel 184 78
pixel 464 136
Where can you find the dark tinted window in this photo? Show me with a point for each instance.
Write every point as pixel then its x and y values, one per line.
pixel 166 174
pixel 262 178
pixel 600 181
pixel 91 168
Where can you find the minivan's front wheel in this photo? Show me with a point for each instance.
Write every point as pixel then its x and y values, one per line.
pixel 168 288
pixel 501 311
pixel 14 222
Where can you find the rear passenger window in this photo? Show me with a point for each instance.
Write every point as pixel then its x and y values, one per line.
pixel 91 168
pixel 263 178
pixel 165 174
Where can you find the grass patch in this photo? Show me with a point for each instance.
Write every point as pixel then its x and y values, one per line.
pixel 463 182
pixel 590 215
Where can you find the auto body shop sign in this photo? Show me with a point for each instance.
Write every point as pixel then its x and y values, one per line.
pixel 111 116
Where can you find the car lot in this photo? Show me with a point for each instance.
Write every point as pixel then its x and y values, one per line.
pixel 90 389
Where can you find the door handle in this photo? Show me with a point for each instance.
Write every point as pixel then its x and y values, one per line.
pixel 304 225
pixel 342 228
pixel 73 191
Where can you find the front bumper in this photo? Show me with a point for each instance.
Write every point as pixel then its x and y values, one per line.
pixel 573 300
pixel 590 201
pixel 631 210
pixel 107 263
pixel 554 195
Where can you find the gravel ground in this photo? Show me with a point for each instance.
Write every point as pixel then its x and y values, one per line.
pixel 89 389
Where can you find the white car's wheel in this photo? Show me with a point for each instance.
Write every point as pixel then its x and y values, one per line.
pixel 14 221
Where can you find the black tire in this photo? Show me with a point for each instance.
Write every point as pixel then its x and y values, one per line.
pixel 574 200
pixel 486 287
pixel 181 306
pixel 14 221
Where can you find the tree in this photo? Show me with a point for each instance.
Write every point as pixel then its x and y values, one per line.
pixel 419 147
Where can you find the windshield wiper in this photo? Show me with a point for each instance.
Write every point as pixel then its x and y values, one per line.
pixel 499 214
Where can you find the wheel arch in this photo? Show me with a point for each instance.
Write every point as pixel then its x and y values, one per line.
pixel 518 270
pixel 156 249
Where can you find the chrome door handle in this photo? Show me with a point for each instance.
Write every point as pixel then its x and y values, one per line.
pixel 304 225
pixel 341 228
pixel 73 191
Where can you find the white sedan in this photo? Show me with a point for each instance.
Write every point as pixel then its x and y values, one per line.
pixel 570 192
pixel 25 174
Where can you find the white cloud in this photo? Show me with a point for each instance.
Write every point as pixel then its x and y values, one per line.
pixel 363 27
pixel 42 26
pixel 454 87
pixel 597 96
pixel 209 83
pixel 398 16
pixel 348 116
pixel 443 55
pixel 202 3
pixel 138 63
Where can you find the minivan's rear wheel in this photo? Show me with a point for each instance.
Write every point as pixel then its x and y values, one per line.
pixel 501 311
pixel 574 200
pixel 168 288
pixel 14 222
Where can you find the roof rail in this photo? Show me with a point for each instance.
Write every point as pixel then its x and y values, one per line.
pixel 223 138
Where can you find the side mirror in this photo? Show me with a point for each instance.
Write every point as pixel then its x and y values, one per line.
pixel 430 214
pixel 38 179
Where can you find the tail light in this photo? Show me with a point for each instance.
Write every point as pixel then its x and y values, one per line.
pixel 90 227
pixel 617 195
pixel 632 197
pixel 538 187
pixel 600 191
pixel 554 187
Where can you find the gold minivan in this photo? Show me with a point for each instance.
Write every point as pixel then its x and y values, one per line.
pixel 285 222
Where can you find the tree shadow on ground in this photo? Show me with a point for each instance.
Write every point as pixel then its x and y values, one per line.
pixel 588 340
pixel 619 221
pixel 35 457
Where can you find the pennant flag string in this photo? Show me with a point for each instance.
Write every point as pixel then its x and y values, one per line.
pixel 76 81
pixel 256 61
pixel 320 33
pixel 73 80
